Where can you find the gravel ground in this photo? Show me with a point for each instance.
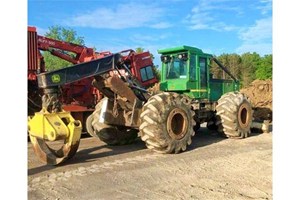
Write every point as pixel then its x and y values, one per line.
pixel 212 168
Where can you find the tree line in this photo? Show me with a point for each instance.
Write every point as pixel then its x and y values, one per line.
pixel 246 67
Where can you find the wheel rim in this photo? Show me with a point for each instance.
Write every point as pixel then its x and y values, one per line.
pixel 244 116
pixel 177 123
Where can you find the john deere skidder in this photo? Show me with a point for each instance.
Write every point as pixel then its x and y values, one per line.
pixel 166 119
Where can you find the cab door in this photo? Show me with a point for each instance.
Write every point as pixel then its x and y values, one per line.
pixel 193 83
pixel 203 77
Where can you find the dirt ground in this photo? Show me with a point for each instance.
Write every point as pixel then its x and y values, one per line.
pixel 212 168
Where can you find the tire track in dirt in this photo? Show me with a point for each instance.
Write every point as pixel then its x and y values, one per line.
pixel 229 169
pixel 51 179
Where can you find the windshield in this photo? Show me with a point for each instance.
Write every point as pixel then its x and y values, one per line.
pixel 176 68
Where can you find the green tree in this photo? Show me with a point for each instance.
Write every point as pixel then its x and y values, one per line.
pixel 139 50
pixel 264 69
pixel 245 67
pixel 232 62
pixel 250 62
pixel 216 70
pixel 62 34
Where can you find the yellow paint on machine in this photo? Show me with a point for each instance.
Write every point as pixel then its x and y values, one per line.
pixel 51 126
pixel 199 90
pixel 45 126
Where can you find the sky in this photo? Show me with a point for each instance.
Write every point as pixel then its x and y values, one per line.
pixel 215 26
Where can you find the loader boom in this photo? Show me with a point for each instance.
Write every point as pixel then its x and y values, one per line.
pixel 77 72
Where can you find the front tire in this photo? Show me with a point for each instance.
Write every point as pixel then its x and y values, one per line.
pixel 167 123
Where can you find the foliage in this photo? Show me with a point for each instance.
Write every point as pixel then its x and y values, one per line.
pixel 157 72
pixel 231 61
pixel 264 70
pixel 139 50
pixel 246 67
pixel 62 34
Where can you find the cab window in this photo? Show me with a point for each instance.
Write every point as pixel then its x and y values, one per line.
pixel 146 73
pixel 193 67
pixel 176 68
pixel 203 72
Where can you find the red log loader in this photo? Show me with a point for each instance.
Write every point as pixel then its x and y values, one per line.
pixel 78 97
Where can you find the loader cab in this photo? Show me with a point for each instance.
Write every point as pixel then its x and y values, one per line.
pixel 141 66
pixel 185 70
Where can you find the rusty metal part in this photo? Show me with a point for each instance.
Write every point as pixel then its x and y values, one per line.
pixel 120 87
pixel 50 100
pixel 106 109
pixel 45 129
pixel 98 83
pixel 115 107
pixel 51 156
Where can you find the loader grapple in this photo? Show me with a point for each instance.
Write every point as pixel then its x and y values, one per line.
pixel 45 128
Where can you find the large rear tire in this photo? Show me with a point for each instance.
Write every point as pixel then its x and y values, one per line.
pixel 167 123
pixel 111 135
pixel 234 115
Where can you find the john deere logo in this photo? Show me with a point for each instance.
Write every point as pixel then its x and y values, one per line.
pixel 55 78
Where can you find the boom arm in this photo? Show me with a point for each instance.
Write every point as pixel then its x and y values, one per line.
pixel 78 72
pixel 224 68
pixel 57 47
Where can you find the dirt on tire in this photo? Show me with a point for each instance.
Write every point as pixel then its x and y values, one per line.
pixel 234 114
pixel 167 123
pixel 260 94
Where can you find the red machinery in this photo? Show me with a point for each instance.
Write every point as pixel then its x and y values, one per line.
pixel 80 97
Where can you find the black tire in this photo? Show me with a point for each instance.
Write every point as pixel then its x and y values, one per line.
pixel 211 124
pixel 234 115
pixel 111 135
pixel 197 126
pixel 167 123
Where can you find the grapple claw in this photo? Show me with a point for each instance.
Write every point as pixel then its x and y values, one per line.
pixel 47 129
